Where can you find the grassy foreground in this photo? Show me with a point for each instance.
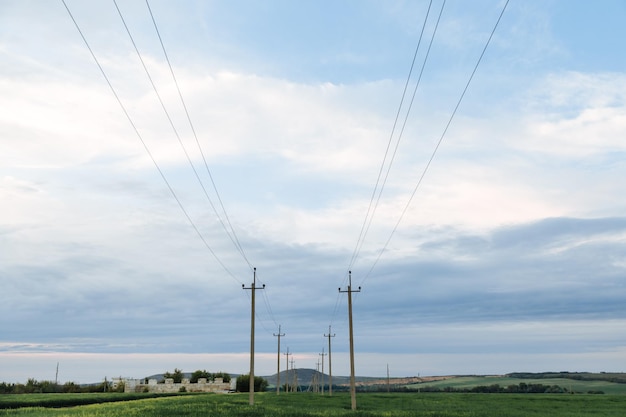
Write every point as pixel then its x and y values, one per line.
pixel 369 405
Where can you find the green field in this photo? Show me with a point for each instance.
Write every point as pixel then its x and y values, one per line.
pixel 572 385
pixel 370 404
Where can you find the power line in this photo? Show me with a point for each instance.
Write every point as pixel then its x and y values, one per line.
pixel 372 207
pixel 230 230
pixel 406 117
pixel 432 156
pixel 145 146
pixel 182 145
pixel 234 237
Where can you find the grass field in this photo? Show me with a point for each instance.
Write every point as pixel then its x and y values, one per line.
pixel 8 401
pixel 371 404
pixel 571 384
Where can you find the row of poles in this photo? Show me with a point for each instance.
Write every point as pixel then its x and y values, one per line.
pixel 349 291
pixel 287 383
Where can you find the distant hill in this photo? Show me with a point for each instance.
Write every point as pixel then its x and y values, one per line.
pixel 306 376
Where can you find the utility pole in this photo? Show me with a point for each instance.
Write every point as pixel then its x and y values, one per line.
pixel 294 386
pixel 253 288
pixel 352 383
pixel 322 355
pixel 315 381
pixel 278 362
pixel 330 368
pixel 287 372
pixel 387 377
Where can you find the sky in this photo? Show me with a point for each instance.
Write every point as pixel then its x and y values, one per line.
pixel 481 212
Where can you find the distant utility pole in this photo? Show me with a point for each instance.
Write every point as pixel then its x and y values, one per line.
pixel 322 355
pixel 330 368
pixel 253 288
pixel 352 383
pixel 287 372
pixel 278 362
pixel 294 385
pixel 315 381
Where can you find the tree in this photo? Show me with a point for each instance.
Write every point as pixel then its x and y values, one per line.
pixel 177 376
pixel 199 374
pixel 71 387
pixel 243 383
pixel 224 375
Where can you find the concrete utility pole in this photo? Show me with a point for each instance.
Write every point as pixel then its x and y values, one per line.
pixel 287 372
pixel 330 368
pixel 322 355
pixel 352 383
pixel 278 362
pixel 253 288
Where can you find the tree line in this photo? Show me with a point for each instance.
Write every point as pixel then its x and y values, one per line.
pixel 617 377
pixel 521 388
pixel 32 386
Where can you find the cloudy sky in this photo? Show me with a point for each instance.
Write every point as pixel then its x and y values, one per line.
pixel 489 239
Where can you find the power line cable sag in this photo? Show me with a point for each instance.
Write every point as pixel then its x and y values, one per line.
pixel 266 301
pixel 367 221
pixel 193 130
pixel 372 208
pixel 406 117
pixel 231 233
pixel 432 156
pixel 145 146
pixel 182 145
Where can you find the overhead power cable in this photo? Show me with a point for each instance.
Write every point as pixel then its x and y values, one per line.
pixel 182 145
pixel 230 230
pixel 233 237
pixel 406 118
pixel 443 134
pixel 371 209
pixel 145 146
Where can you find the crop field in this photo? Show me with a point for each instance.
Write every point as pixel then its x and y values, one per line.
pixel 572 385
pixel 315 405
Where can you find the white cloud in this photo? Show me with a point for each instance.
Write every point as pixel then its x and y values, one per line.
pixel 577 115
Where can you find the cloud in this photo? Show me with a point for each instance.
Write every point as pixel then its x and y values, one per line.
pixel 515 234
pixel 582 115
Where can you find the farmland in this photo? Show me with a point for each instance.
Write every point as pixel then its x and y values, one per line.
pixel 569 384
pixel 369 404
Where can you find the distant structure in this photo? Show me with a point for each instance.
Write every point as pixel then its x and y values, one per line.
pixel 152 385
